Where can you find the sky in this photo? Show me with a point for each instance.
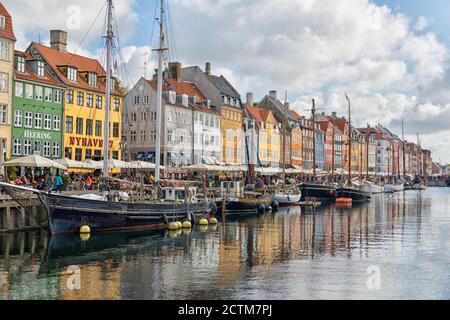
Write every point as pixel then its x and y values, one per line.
pixel 390 56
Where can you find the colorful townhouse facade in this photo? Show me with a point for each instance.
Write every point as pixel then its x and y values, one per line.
pixel 225 99
pixel 85 102
pixel 38 108
pixel 7 43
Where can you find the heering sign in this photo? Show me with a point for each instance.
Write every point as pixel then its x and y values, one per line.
pixel 37 135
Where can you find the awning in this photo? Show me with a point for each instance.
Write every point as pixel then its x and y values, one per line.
pixel 150 156
pixel 140 156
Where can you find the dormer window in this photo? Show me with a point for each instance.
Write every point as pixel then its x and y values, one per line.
pixel 40 68
pixel 2 22
pixel 92 79
pixel 20 64
pixel 72 74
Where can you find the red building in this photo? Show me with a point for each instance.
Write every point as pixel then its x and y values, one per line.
pixel 327 128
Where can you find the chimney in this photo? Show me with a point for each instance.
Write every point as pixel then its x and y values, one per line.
pixel 273 94
pixel 208 68
pixel 58 40
pixel 175 71
pixel 250 98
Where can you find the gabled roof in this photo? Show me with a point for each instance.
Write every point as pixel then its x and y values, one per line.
pixel 279 107
pixel 181 87
pixel 29 75
pixel 56 59
pixel 8 31
pixel 224 86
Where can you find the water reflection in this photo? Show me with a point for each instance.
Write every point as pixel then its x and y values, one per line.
pixel 296 253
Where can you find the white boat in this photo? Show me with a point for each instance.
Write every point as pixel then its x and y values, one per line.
pixel 372 188
pixel 389 188
pixel 399 187
pixel 288 198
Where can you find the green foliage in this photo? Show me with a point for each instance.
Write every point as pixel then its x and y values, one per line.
pixel 66 180
pixel 12 173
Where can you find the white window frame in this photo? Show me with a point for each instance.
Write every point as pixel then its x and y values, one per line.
pixel 20 64
pixel 28 119
pixel 46 148
pixel 40 69
pixel 17 147
pixel 29 91
pixel 38 120
pixel 19 89
pixel 72 74
pixel 4 82
pixel 4 50
pixel 2 21
pixel 38 92
pixel 3 114
pixel 18 119
pixel 58 96
pixel 56 149
pixel 27 150
pixel 47 122
pixel 48 94
pixel 57 123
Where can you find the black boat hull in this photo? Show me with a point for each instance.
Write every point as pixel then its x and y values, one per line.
pixel 323 193
pixel 354 194
pixel 245 206
pixel 67 214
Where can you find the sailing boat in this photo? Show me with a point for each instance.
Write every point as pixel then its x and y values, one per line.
pixel 67 214
pixel 349 191
pixel 321 192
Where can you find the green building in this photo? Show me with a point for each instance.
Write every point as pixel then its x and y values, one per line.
pixel 38 104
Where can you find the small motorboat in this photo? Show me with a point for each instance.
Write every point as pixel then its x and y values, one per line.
pixel 355 194
pixel 289 198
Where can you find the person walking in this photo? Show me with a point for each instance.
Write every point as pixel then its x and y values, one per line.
pixel 58 183
pixel 50 183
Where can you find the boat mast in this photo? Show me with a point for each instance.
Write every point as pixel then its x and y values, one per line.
pixel 314 137
pixel 404 154
pixel 349 142
pixel 160 51
pixel 109 40
pixel 367 151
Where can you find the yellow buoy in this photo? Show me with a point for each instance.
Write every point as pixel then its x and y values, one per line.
pixel 187 225
pixel 203 228
pixel 203 222
pixel 213 221
pixel 85 229
pixel 180 225
pixel 173 226
pixel 85 236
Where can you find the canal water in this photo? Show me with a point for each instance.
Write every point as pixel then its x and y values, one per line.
pixel 395 247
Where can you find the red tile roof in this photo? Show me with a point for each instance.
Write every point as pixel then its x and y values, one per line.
pixel 8 31
pixel 181 87
pixel 56 59
pixel 29 75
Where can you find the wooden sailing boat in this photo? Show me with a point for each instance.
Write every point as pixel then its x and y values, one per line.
pixel 349 191
pixel 67 214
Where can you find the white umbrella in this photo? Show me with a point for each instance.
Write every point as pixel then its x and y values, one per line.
pixel 200 166
pixel 118 164
pixel 72 164
pixel 96 165
pixel 143 165
pixel 34 161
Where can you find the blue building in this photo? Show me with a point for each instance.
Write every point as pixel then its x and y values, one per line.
pixel 320 149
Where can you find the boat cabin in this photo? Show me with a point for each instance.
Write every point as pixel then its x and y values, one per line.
pixel 182 194
pixel 231 189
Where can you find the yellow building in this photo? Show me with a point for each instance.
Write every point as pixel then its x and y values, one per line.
pixel 84 109
pixel 7 41
pixel 269 138
pixel 231 128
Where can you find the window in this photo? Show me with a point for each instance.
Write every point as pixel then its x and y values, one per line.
pixel 18 118
pixel 40 68
pixel 47 122
pixel 137 99
pixel 19 89
pixel 116 104
pixel 2 21
pixel 88 154
pixel 116 130
pixel 80 98
pixel 48 94
pixel 132 136
pixel 89 127
pixel 69 124
pixel 98 128
pixel 46 148
pixel 69 96
pixel 29 91
pixel 99 102
pixel 38 120
pixel 4 50
pixel 72 74
pixel 56 149
pixel 27 147
pixel 37 146
pixel 38 93
pixel 3 114
pixel 92 79
pixel 79 128
pixel 20 64
pixel 28 120
pixel 153 136
pixel 58 96
pixel 90 100
pixel 68 153
pixel 4 82
pixel 143 136
pixel 115 155
pixel 56 123
pixel 169 135
pixel 17 149
pixel 78 154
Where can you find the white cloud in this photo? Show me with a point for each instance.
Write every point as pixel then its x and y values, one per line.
pixel 421 24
